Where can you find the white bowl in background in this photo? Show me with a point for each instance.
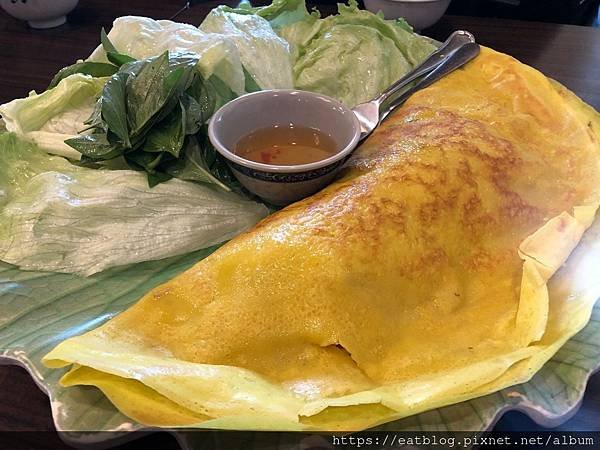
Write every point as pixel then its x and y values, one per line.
pixel 40 13
pixel 419 14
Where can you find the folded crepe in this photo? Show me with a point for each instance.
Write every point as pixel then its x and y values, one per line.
pixel 420 278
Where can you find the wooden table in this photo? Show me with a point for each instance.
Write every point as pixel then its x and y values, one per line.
pixel 29 59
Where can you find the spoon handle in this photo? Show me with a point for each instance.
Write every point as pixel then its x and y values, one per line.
pixel 453 61
pixel 454 41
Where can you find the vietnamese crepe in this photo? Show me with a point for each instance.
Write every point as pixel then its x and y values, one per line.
pixel 418 279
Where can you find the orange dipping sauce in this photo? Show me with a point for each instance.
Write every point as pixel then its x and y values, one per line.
pixel 286 145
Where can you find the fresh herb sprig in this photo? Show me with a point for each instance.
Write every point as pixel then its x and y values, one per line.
pixel 149 113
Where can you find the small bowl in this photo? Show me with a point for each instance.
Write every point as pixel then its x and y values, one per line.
pixel 40 13
pixel 278 184
pixel 420 14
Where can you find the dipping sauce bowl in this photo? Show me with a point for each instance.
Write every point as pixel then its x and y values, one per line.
pixel 284 184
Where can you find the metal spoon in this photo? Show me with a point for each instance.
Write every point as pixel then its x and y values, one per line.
pixel 458 49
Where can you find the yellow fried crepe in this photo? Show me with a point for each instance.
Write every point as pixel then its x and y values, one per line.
pixel 417 280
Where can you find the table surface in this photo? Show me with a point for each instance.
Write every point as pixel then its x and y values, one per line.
pixel 29 58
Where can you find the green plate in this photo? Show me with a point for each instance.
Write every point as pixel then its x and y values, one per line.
pixel 41 309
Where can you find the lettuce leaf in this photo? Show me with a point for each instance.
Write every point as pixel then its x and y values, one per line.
pixel 57 114
pixel 265 57
pixel 354 55
pixel 352 63
pixel 58 217
pixel 351 56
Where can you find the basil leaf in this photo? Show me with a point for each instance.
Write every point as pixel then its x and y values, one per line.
pixel 133 67
pixel 149 161
pixel 154 92
pixel 88 163
pixel 220 92
pixel 154 177
pixel 250 83
pixel 194 115
pixel 182 73
pixel 95 118
pixel 119 59
pixel 217 164
pixel 95 122
pixel 95 69
pixel 199 102
pixel 95 146
pixel 168 135
pixel 146 93
pixel 157 178
pixel 173 86
pixel 113 106
pixel 111 52
pixel 106 44
pixel 193 165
